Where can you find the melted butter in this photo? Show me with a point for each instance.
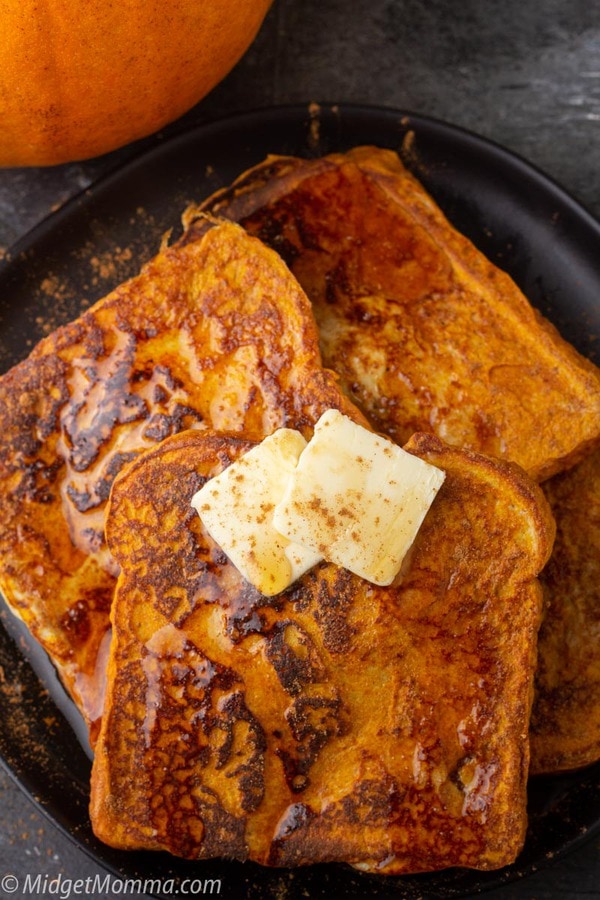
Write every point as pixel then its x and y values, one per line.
pixel 92 688
pixel 114 412
pixel 167 647
pixel 168 641
pixel 419 766
pixel 478 783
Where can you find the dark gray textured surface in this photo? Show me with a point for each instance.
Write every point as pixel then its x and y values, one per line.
pixel 525 74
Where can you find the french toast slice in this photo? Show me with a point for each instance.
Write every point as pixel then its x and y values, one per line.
pixel 425 333
pixel 336 721
pixel 216 333
pixel 565 725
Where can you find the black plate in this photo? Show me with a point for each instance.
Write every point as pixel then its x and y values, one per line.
pixel 515 214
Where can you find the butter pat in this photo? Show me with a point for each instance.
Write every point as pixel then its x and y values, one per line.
pixel 236 508
pixel 356 498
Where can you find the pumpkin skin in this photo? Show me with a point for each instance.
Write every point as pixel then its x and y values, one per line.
pixel 81 77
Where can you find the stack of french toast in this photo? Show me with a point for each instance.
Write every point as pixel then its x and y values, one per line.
pixel 390 727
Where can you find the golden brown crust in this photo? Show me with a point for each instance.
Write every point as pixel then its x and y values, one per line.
pixel 565 726
pixel 216 333
pixel 425 333
pixel 386 727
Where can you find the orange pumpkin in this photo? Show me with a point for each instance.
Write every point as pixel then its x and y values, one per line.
pixel 81 77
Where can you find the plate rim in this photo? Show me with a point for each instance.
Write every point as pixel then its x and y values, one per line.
pixel 182 135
